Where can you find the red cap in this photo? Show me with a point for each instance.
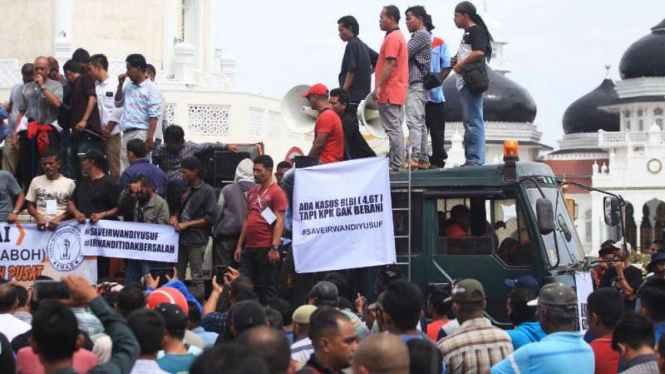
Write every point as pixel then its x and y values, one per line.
pixel 317 89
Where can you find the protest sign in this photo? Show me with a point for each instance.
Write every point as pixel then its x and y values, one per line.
pixel 132 240
pixel 342 216
pixel 584 288
pixel 27 253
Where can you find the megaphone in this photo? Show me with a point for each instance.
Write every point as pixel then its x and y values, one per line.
pixel 297 114
pixel 368 114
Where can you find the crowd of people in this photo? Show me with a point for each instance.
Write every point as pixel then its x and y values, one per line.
pixel 156 327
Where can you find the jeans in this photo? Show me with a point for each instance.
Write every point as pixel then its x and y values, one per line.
pixel 137 269
pixel 254 264
pixel 474 126
pixel 415 120
pixel 392 116
pixel 436 124
pixel 194 256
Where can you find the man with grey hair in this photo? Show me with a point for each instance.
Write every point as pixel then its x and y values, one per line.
pixel 381 354
pixel 41 100
pixel 557 314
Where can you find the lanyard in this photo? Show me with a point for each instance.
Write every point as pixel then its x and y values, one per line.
pixel 263 195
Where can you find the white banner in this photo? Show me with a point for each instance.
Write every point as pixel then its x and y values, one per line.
pixel 27 253
pixel 132 240
pixel 584 288
pixel 342 216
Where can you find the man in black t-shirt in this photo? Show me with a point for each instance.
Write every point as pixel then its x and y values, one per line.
pixel 475 46
pixel 358 62
pixel 624 277
pixel 95 198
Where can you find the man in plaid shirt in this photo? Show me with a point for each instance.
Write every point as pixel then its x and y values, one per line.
pixel 420 57
pixel 170 154
pixel 478 345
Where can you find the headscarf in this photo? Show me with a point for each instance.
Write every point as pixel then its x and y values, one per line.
pixel 466 7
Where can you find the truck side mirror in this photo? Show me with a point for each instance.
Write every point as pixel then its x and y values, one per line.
pixel 545 216
pixel 611 210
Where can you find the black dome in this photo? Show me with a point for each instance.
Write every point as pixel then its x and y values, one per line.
pixel 584 116
pixel 504 101
pixel 645 57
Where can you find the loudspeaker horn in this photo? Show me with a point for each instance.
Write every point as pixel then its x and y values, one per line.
pixel 368 114
pixel 297 114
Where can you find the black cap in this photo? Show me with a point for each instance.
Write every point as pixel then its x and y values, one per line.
pixel 173 315
pixel 97 156
pixel 324 291
pixel 247 314
pixel 191 163
pixel 387 275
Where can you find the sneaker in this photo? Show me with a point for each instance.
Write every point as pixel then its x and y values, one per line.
pixel 468 164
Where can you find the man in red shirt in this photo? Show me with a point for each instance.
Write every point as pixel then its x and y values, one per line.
pixel 328 143
pixel 605 308
pixel 262 231
pixel 392 83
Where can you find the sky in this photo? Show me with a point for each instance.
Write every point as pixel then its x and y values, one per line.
pixel 558 49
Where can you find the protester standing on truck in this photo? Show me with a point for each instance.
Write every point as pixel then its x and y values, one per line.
pixel 476 45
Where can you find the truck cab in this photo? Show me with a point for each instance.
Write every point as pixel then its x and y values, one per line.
pixel 483 223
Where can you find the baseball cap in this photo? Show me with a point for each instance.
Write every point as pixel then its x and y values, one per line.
pixel 191 163
pixel 619 245
pixel 317 89
pixel 97 156
pixel 168 295
pixel 387 275
pixel 323 291
pixel 557 294
pixel 247 314
pixel 173 315
pixel 655 258
pixel 467 291
pixel 524 281
pixel 303 313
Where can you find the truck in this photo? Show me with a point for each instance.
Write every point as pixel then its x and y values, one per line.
pixel 518 220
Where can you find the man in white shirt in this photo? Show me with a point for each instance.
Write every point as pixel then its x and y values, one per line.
pixel 10 326
pixel 49 193
pixel 110 115
pixel 148 328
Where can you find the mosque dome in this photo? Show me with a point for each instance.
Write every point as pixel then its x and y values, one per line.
pixel 504 101
pixel 645 57
pixel 583 115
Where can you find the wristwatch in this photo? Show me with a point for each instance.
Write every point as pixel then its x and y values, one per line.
pixel 15 211
pixel 275 247
pixel 43 88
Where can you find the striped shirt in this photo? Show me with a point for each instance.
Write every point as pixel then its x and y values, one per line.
pixel 644 364
pixel 301 350
pixel 475 348
pixel 139 103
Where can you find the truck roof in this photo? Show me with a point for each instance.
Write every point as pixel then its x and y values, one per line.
pixel 479 176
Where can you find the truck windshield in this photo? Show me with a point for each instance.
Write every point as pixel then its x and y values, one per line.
pixel 570 247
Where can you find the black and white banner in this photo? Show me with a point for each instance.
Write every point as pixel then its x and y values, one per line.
pixel 132 240
pixel 342 216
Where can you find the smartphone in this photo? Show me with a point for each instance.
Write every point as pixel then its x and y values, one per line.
pixel 219 273
pixel 49 290
pixel 161 273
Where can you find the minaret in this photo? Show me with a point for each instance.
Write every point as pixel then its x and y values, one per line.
pixel 498 63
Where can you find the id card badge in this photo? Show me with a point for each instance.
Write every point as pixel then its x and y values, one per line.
pixel 51 207
pixel 268 215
